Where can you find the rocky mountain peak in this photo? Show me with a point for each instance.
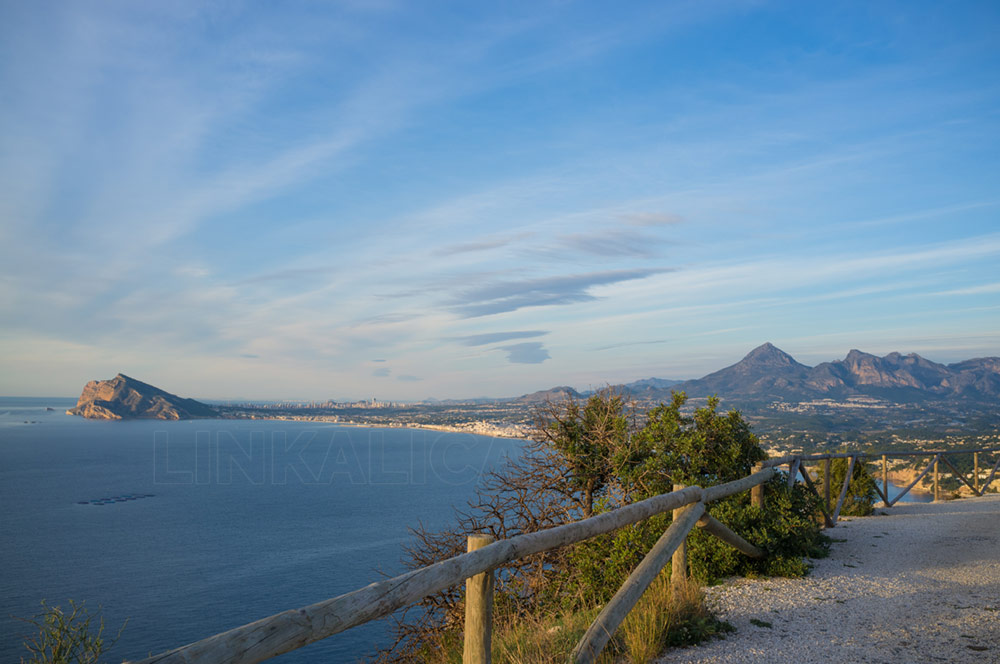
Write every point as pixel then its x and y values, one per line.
pixel 855 357
pixel 769 355
pixel 123 397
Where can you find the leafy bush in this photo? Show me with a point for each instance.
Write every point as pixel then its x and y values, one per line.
pixel 706 449
pixel 593 457
pixel 861 494
pixel 67 638
pixel 785 528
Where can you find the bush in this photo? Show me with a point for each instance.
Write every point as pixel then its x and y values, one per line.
pixel 785 528
pixel 861 494
pixel 67 638
pixel 706 449
pixel 593 457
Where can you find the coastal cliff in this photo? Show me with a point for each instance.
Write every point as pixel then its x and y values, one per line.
pixel 124 398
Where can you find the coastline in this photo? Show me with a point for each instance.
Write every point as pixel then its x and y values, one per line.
pixel 479 428
pixel 904 476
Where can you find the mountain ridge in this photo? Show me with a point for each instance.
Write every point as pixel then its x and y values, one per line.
pixel 769 373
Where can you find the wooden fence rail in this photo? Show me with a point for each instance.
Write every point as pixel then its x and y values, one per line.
pixel 797 467
pixel 292 629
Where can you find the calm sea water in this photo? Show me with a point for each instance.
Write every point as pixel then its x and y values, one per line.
pixel 205 525
pixel 910 497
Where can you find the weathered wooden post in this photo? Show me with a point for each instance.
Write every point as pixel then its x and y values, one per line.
pixel 826 483
pixel 975 471
pixel 478 610
pixel 937 495
pixel 757 492
pixel 793 471
pixel 885 478
pixel 679 561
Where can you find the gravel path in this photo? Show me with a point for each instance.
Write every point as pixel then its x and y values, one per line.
pixel 920 584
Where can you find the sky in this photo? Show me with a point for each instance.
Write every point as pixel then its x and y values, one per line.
pixel 403 200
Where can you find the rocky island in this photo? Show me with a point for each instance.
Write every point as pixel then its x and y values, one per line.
pixel 124 398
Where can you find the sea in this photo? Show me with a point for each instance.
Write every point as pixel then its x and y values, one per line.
pixel 910 497
pixel 187 529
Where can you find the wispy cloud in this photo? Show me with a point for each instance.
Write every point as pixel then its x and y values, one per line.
pixel 613 242
pixel 633 343
pixel 917 215
pixel 530 352
pixel 290 274
pixel 484 244
pixel 972 290
pixel 496 337
pixel 506 296
pixel 651 218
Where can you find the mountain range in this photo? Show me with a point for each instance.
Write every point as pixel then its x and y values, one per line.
pixel 768 373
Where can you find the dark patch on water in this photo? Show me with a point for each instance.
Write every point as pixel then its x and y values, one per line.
pixel 125 497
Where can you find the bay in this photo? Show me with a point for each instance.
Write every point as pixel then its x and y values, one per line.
pixel 910 497
pixel 191 528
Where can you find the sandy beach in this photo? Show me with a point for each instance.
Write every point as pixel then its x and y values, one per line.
pixel 914 583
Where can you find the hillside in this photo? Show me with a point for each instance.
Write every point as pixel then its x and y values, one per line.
pixel 559 393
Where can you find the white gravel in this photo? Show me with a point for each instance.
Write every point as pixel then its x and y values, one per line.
pixel 920 584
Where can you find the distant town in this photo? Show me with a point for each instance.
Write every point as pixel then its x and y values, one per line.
pixel 857 423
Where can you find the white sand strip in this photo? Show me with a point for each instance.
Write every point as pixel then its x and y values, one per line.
pixel 921 584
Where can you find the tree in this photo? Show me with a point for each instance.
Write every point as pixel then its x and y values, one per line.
pixel 591 457
pixel 705 448
pixel 593 441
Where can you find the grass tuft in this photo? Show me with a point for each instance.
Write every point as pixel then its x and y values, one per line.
pixel 664 617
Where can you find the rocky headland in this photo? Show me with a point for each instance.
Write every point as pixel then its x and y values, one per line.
pixel 125 398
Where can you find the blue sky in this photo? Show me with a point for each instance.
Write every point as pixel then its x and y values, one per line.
pixel 320 200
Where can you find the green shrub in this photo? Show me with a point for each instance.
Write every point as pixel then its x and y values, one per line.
pixel 597 456
pixel 67 638
pixel 861 494
pixel 785 528
pixel 706 449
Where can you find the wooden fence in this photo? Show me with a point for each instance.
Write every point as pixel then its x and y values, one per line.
pixel 797 468
pixel 292 629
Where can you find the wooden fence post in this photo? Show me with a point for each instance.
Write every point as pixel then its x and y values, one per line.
pixel 478 610
pixel 843 491
pixel 975 471
pixel 757 492
pixel 589 648
pixel 937 494
pixel 826 484
pixel 679 561
pixel 885 478
pixel 793 471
